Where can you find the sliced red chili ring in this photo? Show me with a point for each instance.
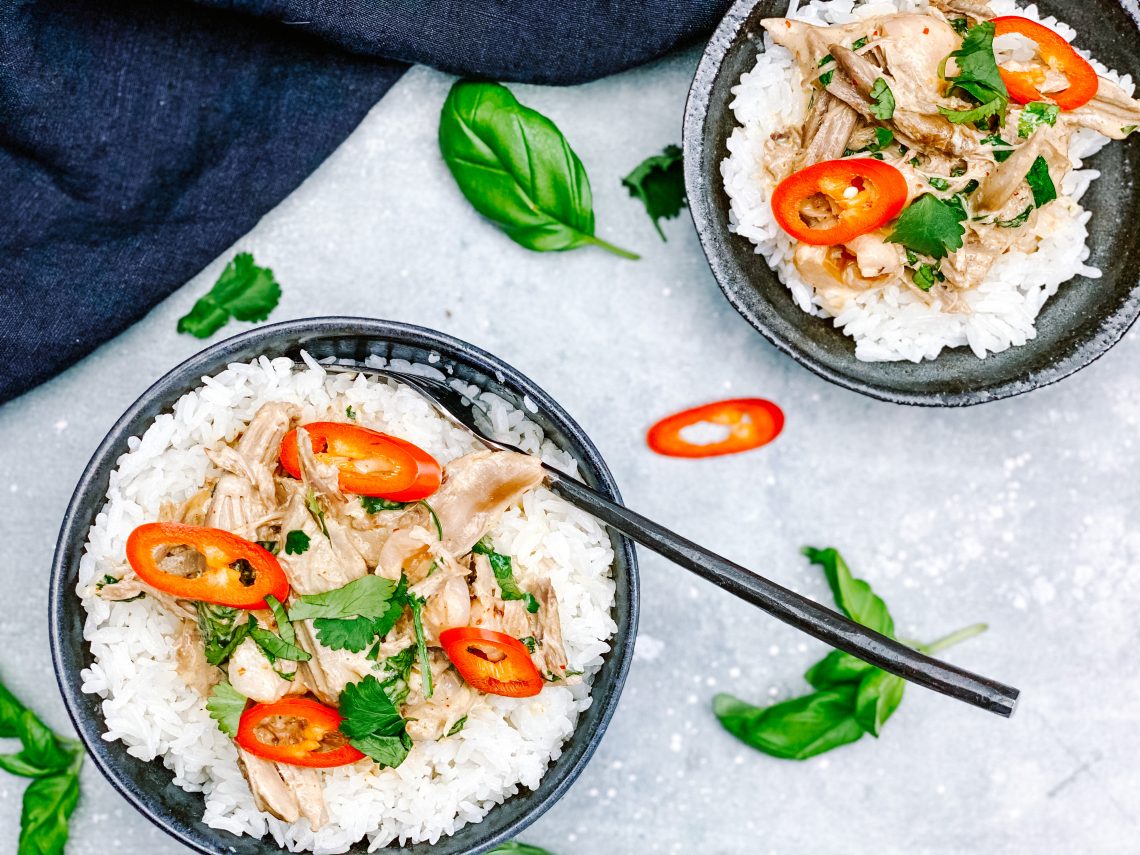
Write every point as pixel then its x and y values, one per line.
pixel 751 423
pixel 296 731
pixel 492 662
pixel 238 572
pixel 1056 53
pixel 865 193
pixel 370 463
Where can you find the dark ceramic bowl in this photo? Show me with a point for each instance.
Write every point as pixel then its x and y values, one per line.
pixel 1079 323
pixel 148 785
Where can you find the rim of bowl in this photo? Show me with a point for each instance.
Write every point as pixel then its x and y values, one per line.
pixel 714 237
pixel 186 376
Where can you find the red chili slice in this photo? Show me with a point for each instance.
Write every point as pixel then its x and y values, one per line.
pixel 296 731
pixel 492 662
pixel 371 463
pixel 1059 55
pixel 880 192
pixel 238 573
pixel 752 422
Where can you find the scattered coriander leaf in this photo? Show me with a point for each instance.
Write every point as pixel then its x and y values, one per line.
pixel 926 275
pixel 883 106
pixel 978 75
pixel 366 710
pixel 503 569
pixel 367 596
pixel 374 504
pixel 350 413
pixel 270 546
pixel 659 182
pixel 929 226
pixel 353 634
pixel 1040 182
pixel 530 643
pixel 517 169
pixel 457 727
pixel 938 183
pixel 1017 221
pixel 1000 155
pixel 296 542
pixel 853 596
pixel 826 78
pixel 225 706
pixel 860 42
pixel 244 291
pixel 1035 114
pixel 796 729
pixel 993 107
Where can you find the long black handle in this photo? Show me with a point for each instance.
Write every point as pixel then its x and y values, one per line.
pixel 793 608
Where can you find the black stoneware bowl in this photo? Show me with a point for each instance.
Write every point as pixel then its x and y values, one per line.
pixel 1080 322
pixel 148 785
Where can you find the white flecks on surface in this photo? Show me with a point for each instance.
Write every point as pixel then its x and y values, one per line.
pixel 647 648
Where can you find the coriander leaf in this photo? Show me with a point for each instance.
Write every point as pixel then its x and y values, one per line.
pixel 367 596
pixel 296 542
pixel 374 504
pixel 1017 221
pixel 504 574
pixel 1035 114
pixel 826 78
pixel 350 413
pixel 47 806
pixel 929 226
pixel 517 169
pixel 276 647
pixel 960 25
pixel 993 107
pixel 853 596
pixel 659 182
pixel 926 275
pixel 317 512
pixel 938 183
pixel 1040 182
pixel 883 138
pixel 978 75
pixel 388 751
pixel 457 727
pixel 859 43
pixel 416 604
pixel 884 100
pixel 244 291
pixel 225 706
pixel 284 625
pixel 366 710
pixel 529 643
pixel 878 697
pixel 1000 155
pixel 835 669
pixel 353 634
pixel 222 629
pixel 795 729
pixel 513 847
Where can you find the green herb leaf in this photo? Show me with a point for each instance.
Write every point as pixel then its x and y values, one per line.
pixel 938 183
pixel 1017 221
pixel 859 43
pixel 284 625
pixel 1035 114
pixel 504 572
pixel 513 847
pixel 296 542
pixel 929 226
pixel 1000 155
pixel 659 182
pixel 457 727
pixel 317 512
pixel 434 519
pixel 275 647
pixel 48 805
pixel 270 546
pixel 385 750
pixel 795 729
pixel 517 169
pixel 374 504
pixel 884 100
pixel 883 138
pixel 1040 182
pixel 354 634
pixel 926 275
pixel 367 710
pixel 367 597
pixel 222 630
pixel 350 413
pixel 225 706
pixel 244 291
pixel 853 596
pixel 529 643
pixel 993 107
pixel 836 669
pixel 878 697
pixel 978 76
pixel 416 604
pixel 960 25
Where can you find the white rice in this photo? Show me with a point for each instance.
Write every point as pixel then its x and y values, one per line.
pixel 894 322
pixel 506 744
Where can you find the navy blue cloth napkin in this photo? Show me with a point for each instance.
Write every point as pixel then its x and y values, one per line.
pixel 140 138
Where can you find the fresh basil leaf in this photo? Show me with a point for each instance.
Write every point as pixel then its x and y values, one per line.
pixel 243 291
pixel 993 107
pixel 883 106
pixel 878 697
pixel 276 647
pixel 366 711
pixel 529 643
pixel 225 706
pixel 374 504
pixel 859 43
pixel 1040 182
pixel 513 847
pixel 222 629
pixel 296 542
pixel 19 764
pixel 659 182
pixel 367 596
pixel 10 712
pixel 835 669
pixel 504 572
pixel 1035 114
pixel 795 729
pixel 853 596
pixel 284 625
pixel 517 169
pixel 48 805
pixel 929 226
pixel 386 751
pixel 42 748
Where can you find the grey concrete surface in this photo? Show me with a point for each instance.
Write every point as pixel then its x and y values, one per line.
pixel 1021 514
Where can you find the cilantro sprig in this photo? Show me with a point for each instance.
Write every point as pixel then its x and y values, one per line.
pixel 659 182
pixel 373 724
pixel 244 291
pixel 930 226
pixel 978 78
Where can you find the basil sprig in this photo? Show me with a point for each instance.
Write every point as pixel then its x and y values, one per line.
pixel 517 169
pixel 53 763
pixel 851 697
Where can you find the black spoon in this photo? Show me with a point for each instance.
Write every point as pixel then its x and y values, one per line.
pixel 778 601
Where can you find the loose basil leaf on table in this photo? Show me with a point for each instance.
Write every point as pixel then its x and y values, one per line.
pixel 517 169
pixel 796 729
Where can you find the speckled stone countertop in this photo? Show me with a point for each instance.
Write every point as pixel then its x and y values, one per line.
pixel 1021 514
